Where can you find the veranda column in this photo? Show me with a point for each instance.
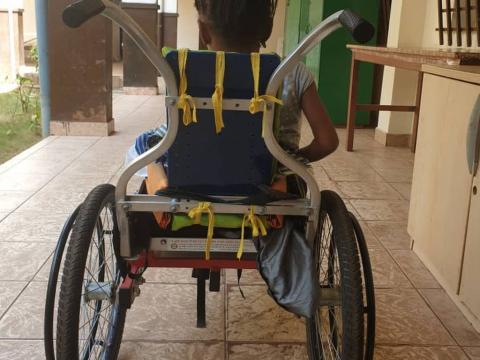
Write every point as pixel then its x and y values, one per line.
pixel 80 75
pixel 139 75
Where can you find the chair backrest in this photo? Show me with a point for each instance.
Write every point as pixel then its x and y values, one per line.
pixel 235 161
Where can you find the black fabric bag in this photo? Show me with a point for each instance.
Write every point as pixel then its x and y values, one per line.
pixel 285 261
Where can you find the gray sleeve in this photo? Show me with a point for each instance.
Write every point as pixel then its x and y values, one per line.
pixel 303 79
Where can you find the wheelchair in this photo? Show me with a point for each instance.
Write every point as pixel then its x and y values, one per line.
pixel 113 236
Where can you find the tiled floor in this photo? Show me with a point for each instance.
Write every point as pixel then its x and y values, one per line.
pixel 40 187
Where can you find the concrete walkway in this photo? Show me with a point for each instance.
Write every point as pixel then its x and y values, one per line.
pixel 41 186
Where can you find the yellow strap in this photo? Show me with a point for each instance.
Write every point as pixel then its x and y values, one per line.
pixel 185 101
pixel 196 215
pixel 259 102
pixel 258 227
pixel 217 97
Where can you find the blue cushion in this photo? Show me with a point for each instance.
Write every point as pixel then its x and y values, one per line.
pixel 235 161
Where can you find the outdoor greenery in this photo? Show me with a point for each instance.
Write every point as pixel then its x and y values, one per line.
pixel 19 119
pixel 20 116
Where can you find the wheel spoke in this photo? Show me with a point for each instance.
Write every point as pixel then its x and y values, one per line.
pixel 328 319
pixel 100 274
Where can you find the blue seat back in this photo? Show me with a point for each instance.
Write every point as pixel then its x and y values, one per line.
pixel 235 161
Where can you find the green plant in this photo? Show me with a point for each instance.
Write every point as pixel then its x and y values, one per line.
pixel 36 116
pixel 25 92
pixel 34 55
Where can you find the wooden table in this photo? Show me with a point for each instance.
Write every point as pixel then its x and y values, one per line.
pixel 402 58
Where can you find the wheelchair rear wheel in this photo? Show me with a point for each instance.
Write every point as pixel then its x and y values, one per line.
pixel 336 332
pixel 90 320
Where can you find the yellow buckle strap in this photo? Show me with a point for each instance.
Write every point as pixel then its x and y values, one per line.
pixel 185 101
pixel 259 102
pixel 217 97
pixel 258 227
pixel 196 215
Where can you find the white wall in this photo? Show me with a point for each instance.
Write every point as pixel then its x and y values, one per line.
pixel 187 27
pixel 188 35
pixel 412 24
pixel 275 43
pixel 29 21
pixel 168 6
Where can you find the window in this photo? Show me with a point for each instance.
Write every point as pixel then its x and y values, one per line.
pixel 459 19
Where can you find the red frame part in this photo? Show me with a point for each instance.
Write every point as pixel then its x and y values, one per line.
pixel 147 259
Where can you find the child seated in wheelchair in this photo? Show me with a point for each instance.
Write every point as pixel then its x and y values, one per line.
pixel 243 26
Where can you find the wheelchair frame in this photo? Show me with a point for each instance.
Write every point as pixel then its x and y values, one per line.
pixel 126 204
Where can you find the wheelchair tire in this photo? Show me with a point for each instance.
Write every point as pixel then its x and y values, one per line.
pixel 90 320
pixel 337 330
pixel 369 307
pixel 52 285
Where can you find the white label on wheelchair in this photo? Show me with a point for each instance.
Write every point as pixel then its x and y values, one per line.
pixel 198 245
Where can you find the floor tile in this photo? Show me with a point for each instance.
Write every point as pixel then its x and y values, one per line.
pixel 9 292
pixel 451 317
pixel 267 352
pixel 413 267
pixel 32 167
pixel 351 209
pixel 3 215
pixel 403 188
pixel 53 153
pixel 249 277
pixel 386 273
pixel 368 190
pixel 419 353
pixel 391 210
pixel 21 350
pixel 388 160
pixel 25 154
pixel 352 174
pixel 403 317
pixel 393 235
pixel 168 313
pixel 24 320
pixel 28 183
pixel 171 351
pixel 326 184
pixel 472 352
pixel 20 261
pixel 319 172
pixel 32 226
pixel 393 174
pixel 75 183
pixel 370 238
pixel 44 273
pixel 10 200
pixel 259 318
pixel 92 168
pixel 343 160
pixel 49 201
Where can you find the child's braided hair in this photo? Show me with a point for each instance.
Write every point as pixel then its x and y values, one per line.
pixel 239 21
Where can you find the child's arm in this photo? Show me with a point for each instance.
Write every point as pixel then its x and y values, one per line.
pixel 325 139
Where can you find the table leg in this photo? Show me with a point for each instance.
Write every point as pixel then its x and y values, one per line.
pixel 352 103
pixel 416 114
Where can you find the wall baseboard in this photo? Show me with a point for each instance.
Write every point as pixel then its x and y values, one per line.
pixel 81 128
pixel 398 140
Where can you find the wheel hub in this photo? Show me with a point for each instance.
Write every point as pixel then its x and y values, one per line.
pixel 99 291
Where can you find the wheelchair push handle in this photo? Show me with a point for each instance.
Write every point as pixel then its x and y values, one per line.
pixel 362 31
pixel 81 11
